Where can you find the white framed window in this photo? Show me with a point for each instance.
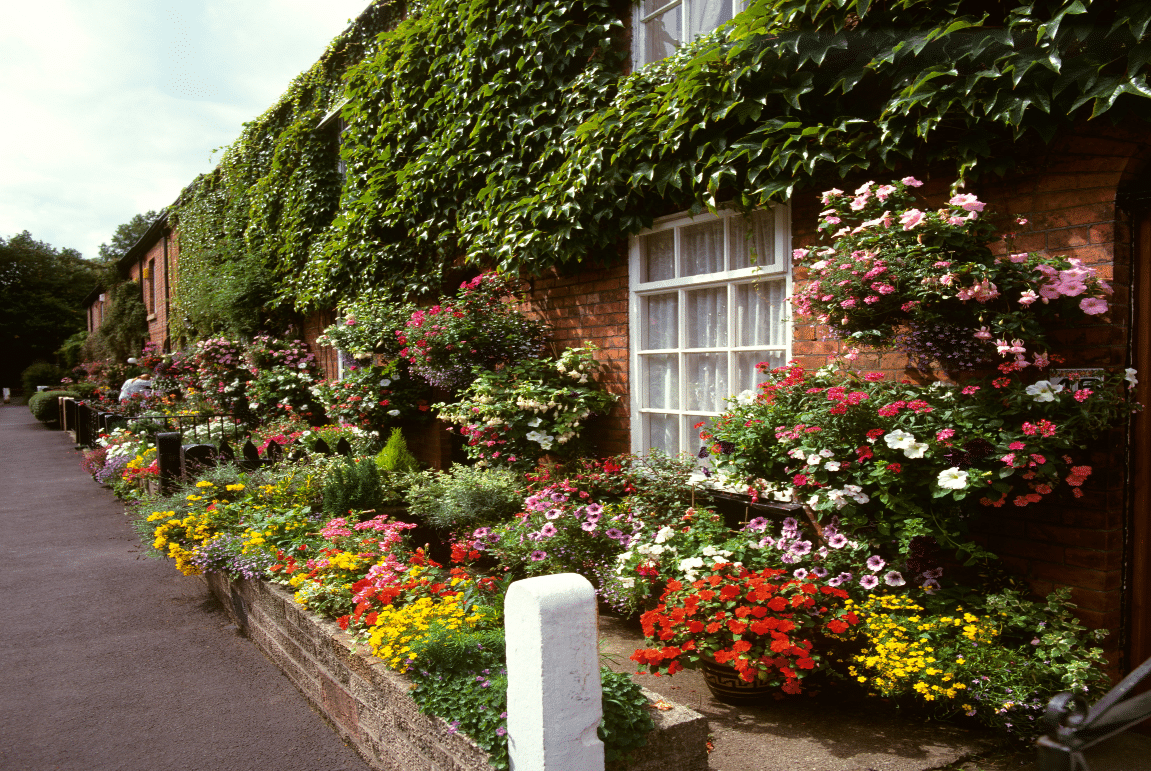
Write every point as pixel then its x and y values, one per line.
pixel 707 297
pixel 660 26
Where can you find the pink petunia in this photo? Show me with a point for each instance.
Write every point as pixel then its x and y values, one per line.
pixel 911 218
pixel 911 182
pixel 1093 306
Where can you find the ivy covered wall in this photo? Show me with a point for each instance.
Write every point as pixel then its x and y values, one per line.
pixel 485 132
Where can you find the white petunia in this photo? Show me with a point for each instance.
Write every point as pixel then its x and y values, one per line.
pixel 915 449
pixel 1044 390
pixel 1129 376
pixel 664 533
pixel 952 479
pixel 899 439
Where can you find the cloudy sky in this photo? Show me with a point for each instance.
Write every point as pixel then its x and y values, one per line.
pixel 111 107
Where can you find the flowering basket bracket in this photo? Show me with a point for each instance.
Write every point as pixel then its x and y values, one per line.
pixel 1076 728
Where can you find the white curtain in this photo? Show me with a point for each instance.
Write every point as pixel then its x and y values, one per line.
pixel 662 381
pixel 658 256
pixel 661 330
pixel 702 247
pixel 706 15
pixel 707 318
pixel 759 320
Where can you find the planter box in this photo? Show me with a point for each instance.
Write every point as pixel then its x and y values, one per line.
pixel 367 703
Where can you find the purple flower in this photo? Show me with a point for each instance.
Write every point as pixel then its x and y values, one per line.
pixel 614 533
pixel 481 532
pixel 869 582
pixel 548 530
pixel 875 562
pixel 788 558
pixel 936 573
pixel 594 509
pixel 559 497
pixel 538 555
pixel 837 541
pixel 759 523
pixel 894 578
pixel 931 586
pixel 799 548
pixel 790 524
pixel 819 572
pixel 501 731
pixel 800 573
pixel 835 581
pixel 766 541
pixel 593 517
pixel 589 526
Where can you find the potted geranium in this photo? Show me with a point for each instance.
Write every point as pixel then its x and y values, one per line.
pixel 749 631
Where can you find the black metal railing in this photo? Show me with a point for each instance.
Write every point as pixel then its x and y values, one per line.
pixel 92 421
pixel 1074 728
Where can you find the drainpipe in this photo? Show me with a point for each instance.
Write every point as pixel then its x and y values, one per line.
pixel 167 303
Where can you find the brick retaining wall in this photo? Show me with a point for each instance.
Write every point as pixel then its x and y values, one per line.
pixel 367 703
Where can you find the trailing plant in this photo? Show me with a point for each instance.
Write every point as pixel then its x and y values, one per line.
pixel 480 329
pixel 886 455
pixel 368 325
pixel 512 416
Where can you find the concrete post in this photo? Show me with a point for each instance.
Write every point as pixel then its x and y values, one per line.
pixel 554 695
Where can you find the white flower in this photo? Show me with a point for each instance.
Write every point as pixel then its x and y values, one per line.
pixel 745 397
pixel 1044 390
pixel 952 479
pixel 915 449
pixel 664 533
pixel 690 563
pixel 813 460
pixel 832 465
pixel 535 421
pixel 393 413
pixel 1129 376
pixel 385 382
pixel 899 439
pixel 826 453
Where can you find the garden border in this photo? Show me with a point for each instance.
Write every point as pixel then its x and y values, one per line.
pixel 367 703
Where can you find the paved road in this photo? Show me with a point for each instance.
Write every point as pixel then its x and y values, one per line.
pixel 109 660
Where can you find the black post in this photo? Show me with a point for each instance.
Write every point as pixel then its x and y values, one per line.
pixel 168 452
pixel 83 434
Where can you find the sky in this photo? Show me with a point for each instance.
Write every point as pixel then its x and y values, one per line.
pixel 111 107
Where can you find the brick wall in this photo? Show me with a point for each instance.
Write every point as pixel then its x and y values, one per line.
pixel 160 263
pixel 367 703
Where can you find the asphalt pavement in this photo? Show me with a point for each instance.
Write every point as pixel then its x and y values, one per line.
pixel 110 660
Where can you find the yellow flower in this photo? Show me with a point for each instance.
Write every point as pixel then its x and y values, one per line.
pixel 204 483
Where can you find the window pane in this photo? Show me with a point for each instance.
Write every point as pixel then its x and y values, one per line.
pixel 706 381
pixel 702 247
pixel 706 15
pixel 749 376
pixel 658 256
pixel 663 433
pixel 661 321
pixel 707 318
pixel 753 241
pixel 760 310
pixel 661 35
pixel 662 391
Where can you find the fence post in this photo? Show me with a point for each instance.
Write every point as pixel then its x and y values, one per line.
pixel 554 694
pixel 169 458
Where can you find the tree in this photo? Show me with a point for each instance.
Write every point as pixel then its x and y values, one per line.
pixel 42 291
pixel 126 236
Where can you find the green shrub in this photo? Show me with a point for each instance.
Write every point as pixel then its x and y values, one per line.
pixel 38 374
pixel 466 497
pixel 45 405
pixel 395 455
pixel 352 486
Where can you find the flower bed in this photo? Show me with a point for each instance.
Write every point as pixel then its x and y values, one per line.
pixel 368 703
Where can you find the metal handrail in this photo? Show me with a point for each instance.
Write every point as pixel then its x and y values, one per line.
pixel 1075 728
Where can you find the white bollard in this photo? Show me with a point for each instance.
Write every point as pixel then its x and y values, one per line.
pixel 554 695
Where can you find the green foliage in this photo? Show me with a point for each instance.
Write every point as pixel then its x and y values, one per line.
pixel 626 721
pixel 69 354
pixel 395 455
pixel 353 485
pixel 125 326
pixel 484 132
pixel 369 325
pixel 465 497
pixel 41 294
pixel 40 373
pixel 45 405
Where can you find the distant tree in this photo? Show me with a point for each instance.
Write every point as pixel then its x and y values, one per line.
pixel 126 236
pixel 42 291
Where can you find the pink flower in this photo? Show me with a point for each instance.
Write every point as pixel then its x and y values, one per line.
pixel 944 434
pixel 799 254
pixel 834 192
pixel 967 201
pixel 1016 446
pixel 1082 394
pixel 1020 257
pixel 859 202
pixel 911 218
pixel 983 333
pixel 1042 360
pixel 970 390
pixel 832 220
pixel 1028 297
pixel 955 220
pixel 911 182
pixel 871 299
pixel 1093 306
pixel 848 303
pixel 1020 220
pixel 883 191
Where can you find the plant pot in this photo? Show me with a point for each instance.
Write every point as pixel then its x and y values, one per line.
pixel 728 687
